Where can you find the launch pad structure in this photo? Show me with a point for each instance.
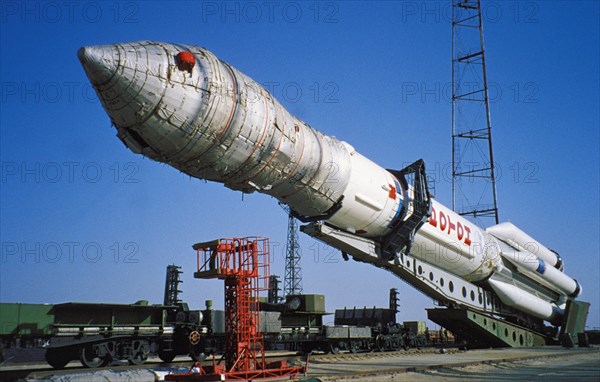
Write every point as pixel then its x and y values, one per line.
pixel 243 264
pixel 466 308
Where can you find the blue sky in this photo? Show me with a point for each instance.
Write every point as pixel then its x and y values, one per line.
pixel 84 219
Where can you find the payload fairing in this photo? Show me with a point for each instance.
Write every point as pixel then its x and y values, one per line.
pixel 180 105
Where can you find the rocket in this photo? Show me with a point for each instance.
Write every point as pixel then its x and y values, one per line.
pixel 181 105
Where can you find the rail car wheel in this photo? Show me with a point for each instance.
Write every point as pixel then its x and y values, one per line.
pixel 306 348
pixel 380 343
pixel 166 355
pixel 57 358
pixel 353 347
pixel 197 354
pixel 334 349
pixel 89 358
pixel 140 354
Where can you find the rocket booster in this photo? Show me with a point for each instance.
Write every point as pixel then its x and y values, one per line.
pixel 181 105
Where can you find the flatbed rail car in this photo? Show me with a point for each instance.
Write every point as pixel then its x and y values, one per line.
pixel 97 334
pixel 304 331
pixel 386 333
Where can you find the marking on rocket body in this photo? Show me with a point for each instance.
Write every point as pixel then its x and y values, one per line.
pixel 445 224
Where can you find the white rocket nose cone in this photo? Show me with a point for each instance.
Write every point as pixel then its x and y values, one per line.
pixel 113 74
pixel 141 95
pixel 100 62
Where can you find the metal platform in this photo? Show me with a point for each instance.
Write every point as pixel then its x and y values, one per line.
pixel 243 264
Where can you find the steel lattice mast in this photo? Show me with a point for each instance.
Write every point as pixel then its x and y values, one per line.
pixel 473 172
pixel 293 270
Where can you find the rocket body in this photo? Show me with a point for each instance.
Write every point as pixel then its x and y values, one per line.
pixel 181 105
pixel 215 123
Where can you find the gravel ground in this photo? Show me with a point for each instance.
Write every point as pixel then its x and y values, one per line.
pixel 540 364
pixel 477 365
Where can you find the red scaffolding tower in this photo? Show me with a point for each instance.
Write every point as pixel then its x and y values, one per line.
pixel 244 266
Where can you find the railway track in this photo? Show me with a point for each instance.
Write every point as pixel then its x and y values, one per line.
pixel 414 365
pixel 326 358
pixel 343 366
pixel 41 370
